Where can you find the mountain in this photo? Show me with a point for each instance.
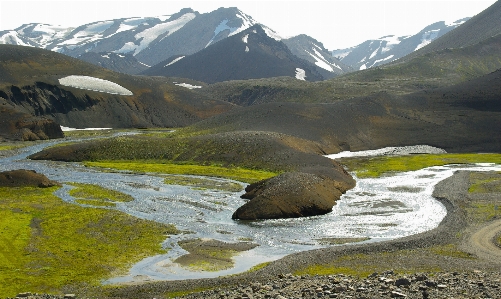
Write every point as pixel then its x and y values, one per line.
pixel 309 49
pixel 246 55
pixel 481 27
pixel 386 49
pixel 123 63
pixel 150 40
pixel 77 94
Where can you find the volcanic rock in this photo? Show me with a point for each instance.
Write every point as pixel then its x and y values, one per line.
pixel 25 178
pixel 290 195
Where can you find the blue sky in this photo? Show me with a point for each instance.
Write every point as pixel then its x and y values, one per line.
pixel 335 23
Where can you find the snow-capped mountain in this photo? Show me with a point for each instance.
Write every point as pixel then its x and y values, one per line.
pixel 150 40
pixel 308 48
pixel 123 63
pixel 250 54
pixel 376 52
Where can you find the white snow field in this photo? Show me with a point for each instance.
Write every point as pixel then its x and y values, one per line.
pixel 387 151
pixel 94 84
pixel 300 74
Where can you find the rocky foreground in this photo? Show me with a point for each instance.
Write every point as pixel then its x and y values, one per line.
pixel 378 285
pixel 474 284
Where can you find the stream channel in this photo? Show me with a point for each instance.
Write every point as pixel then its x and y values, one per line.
pixel 376 209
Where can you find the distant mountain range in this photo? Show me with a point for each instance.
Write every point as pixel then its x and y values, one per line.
pixel 250 54
pixel 133 45
pixel 386 49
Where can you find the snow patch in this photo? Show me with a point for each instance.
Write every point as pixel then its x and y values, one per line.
pixel 91 33
pixel 247 49
pixel 391 42
pixel 271 33
pixel 12 38
pixel 221 27
pixel 342 53
pixel 186 85
pixel 68 129
pixel 151 34
pixel 427 38
pixel 300 74
pixel 363 67
pixel 387 151
pixel 174 61
pixel 94 84
pixel 320 61
pixel 245 38
pixel 247 22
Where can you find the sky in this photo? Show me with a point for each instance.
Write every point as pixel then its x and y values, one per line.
pixel 336 23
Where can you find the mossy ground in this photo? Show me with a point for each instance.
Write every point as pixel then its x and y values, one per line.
pixel 377 166
pixel 164 167
pixel 400 261
pixel 97 196
pixel 47 245
pixel 210 255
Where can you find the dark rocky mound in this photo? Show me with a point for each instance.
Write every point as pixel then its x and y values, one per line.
pixel 15 125
pixel 290 195
pixel 25 178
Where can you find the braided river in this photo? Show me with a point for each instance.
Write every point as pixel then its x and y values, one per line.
pixel 375 210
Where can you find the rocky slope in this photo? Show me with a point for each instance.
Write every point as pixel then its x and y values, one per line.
pixel 43 83
pixel 16 125
pixel 462 117
pixel 309 49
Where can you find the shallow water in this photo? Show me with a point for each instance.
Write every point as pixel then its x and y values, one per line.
pixel 380 209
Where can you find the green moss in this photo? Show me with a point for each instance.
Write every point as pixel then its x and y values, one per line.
pixel 450 250
pixel 258 267
pixel 234 173
pixel 9 147
pixel 97 196
pixel 481 212
pixel 377 166
pixel 485 183
pixel 47 244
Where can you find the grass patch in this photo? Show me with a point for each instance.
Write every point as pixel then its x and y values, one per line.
pixel 485 183
pixel 258 267
pixel 233 173
pixel 450 250
pixel 47 244
pixel 202 183
pixel 482 212
pixel 10 147
pixel 377 166
pixel 210 255
pixel 97 196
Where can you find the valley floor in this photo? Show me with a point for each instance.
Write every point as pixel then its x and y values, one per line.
pixel 461 258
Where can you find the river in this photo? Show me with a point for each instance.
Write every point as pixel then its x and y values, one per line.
pixel 376 209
